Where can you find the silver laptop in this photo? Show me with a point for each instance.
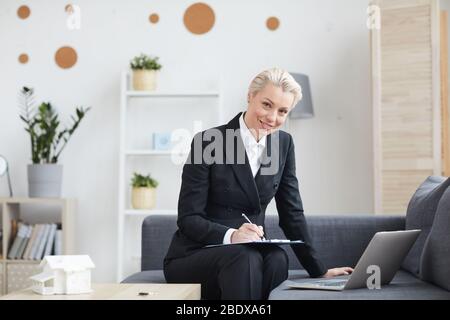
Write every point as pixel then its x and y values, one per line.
pixel 386 250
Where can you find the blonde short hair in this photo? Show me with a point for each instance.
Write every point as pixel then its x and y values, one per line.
pixel 278 77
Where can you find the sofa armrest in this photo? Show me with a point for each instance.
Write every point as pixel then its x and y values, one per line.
pixel 340 240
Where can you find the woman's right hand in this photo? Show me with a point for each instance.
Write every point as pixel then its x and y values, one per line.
pixel 247 232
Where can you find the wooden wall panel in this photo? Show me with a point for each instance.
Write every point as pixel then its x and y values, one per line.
pixel 405 80
pixel 444 95
pixel 398 186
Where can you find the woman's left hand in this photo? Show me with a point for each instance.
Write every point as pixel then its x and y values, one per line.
pixel 337 272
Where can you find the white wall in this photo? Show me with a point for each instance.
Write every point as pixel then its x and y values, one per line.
pixel 326 39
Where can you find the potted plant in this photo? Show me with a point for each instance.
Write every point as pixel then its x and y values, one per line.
pixel 47 143
pixel 143 194
pixel 145 71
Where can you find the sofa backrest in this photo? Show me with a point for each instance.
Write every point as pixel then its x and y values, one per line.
pixel 339 239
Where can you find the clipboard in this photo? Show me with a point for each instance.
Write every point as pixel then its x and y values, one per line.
pixel 259 242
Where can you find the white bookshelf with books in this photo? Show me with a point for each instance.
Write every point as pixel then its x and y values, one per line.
pixel 26 239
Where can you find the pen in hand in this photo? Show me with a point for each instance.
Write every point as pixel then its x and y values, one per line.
pixel 246 218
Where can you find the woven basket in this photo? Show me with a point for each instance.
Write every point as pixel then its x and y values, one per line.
pixel 144 80
pixel 143 198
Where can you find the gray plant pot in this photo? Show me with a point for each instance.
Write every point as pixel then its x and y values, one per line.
pixel 44 180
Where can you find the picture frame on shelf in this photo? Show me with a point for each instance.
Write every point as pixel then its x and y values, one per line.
pixel 162 141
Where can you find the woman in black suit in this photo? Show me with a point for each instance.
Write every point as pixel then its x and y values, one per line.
pixel 238 168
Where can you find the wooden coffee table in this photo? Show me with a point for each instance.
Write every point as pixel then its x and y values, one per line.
pixel 120 291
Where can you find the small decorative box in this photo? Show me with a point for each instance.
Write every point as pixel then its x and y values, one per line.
pixel 161 141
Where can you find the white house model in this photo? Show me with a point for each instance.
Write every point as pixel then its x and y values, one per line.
pixel 64 275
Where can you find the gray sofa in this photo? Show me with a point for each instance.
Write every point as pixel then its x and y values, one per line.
pixel 339 239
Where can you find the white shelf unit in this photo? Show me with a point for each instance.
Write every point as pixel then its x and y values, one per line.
pixel 126 215
pixel 15 273
pixel 131 93
pixel 149 153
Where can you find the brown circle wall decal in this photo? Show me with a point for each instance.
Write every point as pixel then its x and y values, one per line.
pixel 154 18
pixel 23 12
pixel 23 58
pixel 273 23
pixel 199 18
pixel 66 57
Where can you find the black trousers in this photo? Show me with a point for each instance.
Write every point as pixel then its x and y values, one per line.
pixel 237 272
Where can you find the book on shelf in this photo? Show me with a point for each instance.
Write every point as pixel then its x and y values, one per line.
pixel 18 241
pixel 39 232
pixel 51 239
pixel 41 243
pixel 24 243
pixel 33 242
pixel 30 243
pixel 21 233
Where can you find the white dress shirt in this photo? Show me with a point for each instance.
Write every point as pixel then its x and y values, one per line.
pixel 254 150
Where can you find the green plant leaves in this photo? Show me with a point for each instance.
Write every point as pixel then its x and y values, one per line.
pixel 47 141
pixel 145 62
pixel 141 181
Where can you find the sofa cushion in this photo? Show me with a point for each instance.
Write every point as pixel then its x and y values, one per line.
pixel 404 286
pixel 420 215
pixel 150 276
pixel 435 260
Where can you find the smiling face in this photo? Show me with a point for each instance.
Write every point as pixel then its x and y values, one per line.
pixel 267 110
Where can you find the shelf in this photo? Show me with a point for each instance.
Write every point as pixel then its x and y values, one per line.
pixel 198 94
pixel 34 200
pixel 144 152
pixel 137 212
pixel 15 272
pixel 132 155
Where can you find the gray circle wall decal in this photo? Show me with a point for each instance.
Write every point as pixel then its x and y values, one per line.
pixel 23 12
pixel 23 58
pixel 154 18
pixel 272 23
pixel 66 57
pixel 199 18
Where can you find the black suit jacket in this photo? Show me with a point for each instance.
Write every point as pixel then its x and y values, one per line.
pixel 213 196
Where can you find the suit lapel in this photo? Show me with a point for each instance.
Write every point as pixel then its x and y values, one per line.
pixel 242 171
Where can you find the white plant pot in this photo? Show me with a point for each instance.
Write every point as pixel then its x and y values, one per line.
pixel 143 198
pixel 145 80
pixel 44 180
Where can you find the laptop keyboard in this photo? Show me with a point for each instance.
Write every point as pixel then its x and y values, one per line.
pixel 332 283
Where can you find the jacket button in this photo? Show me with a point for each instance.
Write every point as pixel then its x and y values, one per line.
pixel 275 185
